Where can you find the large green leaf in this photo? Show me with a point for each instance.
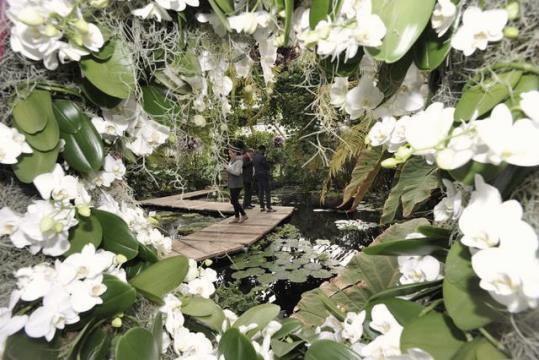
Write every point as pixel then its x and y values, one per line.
pixel 21 347
pixel 479 349
pixel 137 344
pixel 469 306
pixel 32 113
pixel 161 277
pixel 98 97
pixel 114 76
pixel 466 173
pixel 404 311
pixel 391 76
pixel 155 102
pixel 430 50
pixel 403 290
pixel 198 306
pixel 419 246
pixel 116 235
pixel 46 139
pixel 236 346
pixel 147 254
pixel 87 231
pixel 479 96
pixel 434 333
pixel 319 11
pixel 34 164
pixel 330 350
pixel 157 330
pixel 282 348
pixel 96 346
pixel 260 315
pixel 83 148
pixel 417 180
pixel 118 298
pixel 365 171
pixel 404 21
pixel 365 276
pixel 227 6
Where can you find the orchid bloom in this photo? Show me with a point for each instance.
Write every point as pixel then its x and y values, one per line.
pixel 338 92
pixel 148 136
pixel 12 145
pixel 172 309
pixel 56 185
pixel 248 22
pixel 10 324
pixel 365 96
pixel 450 207
pixel 443 16
pixel 427 129
pixel 381 132
pixel 388 343
pixel 416 269
pixel 152 10
pixel 529 103
pixel 353 326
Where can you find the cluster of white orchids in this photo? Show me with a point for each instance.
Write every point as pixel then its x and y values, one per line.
pixel 386 345
pixel 431 133
pixel 54 31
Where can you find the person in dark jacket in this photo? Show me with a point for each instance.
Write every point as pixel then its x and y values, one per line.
pixel 248 178
pixel 235 183
pixel 262 177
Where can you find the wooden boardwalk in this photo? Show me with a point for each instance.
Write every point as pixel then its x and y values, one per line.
pixel 224 238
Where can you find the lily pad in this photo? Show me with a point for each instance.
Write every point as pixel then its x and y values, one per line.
pixel 321 274
pixel 266 278
pixel 298 276
pixel 247 273
pixel 312 266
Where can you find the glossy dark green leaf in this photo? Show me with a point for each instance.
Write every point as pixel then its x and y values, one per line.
pixel 288 326
pixel 227 6
pixel 403 290
pixel 161 277
pixel 147 253
pixel 68 116
pixel 46 139
pixel 282 348
pixel 155 102
pixel 32 113
pixel 96 346
pixel 319 11
pixel 213 321
pixel 117 299
pixel 114 76
pixel 435 232
pixel 467 304
pixel 466 173
pixel 430 50
pixel 116 235
pixel 405 20
pixel 97 97
pixel 236 346
pixel 135 267
pixel 87 231
pixel 260 315
pixel 34 164
pixel 106 51
pixel 84 150
pixel 419 246
pixel 479 349
pixel 198 306
pixel 137 344
pixel 391 76
pixel 434 333
pixel 330 350
pixel 21 347
pixel 479 98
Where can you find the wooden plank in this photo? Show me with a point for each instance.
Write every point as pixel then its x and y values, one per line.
pixel 179 197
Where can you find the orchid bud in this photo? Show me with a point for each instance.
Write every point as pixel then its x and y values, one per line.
pixel 510 32
pixel 46 224
pixel 390 163
pixel 120 259
pixel 31 17
pixel 282 14
pixel 208 262
pixel 100 4
pixel 403 153
pixel 83 210
pixel 172 138
pixel 81 26
pixel 248 89
pixel 117 322
pixel 513 10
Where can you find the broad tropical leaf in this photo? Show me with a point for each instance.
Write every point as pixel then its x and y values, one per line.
pixel 137 344
pixel 34 164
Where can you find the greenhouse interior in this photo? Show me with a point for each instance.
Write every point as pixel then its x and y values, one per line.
pixel 269 179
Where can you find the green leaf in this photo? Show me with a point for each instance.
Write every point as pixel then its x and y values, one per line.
pixel 198 306
pixel 288 326
pixel 161 277
pixel 340 67
pixel 137 344
pixel 68 116
pixel 154 101
pixel 20 347
pixel 391 76
pixel 96 346
pixel 435 232
pixel 227 6
pixel 87 231
pixel 434 333
pixel 114 76
pixel 404 21
pixel 98 97
pixel 32 114
pixel 106 51
pixel 46 139
pixel 236 346
pixel 157 330
pixel 213 321
pixel 416 182
pixel 319 11
pixel 527 82
pixel 83 149
pixel 147 253
pixel 404 311
pixel 430 50
pixel 479 349
pixel 118 298
pixel 220 14
pixel 289 17
pixel 420 246
pixel 466 173
pixel 330 350
pixel 116 235
pixel 403 290
pixel 34 164
pixel 467 304
pixel 480 97
pixel 260 315
pixel 281 348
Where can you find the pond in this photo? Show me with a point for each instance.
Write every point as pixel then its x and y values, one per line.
pixel 296 257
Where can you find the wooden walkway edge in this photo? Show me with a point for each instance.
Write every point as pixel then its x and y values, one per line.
pixel 176 201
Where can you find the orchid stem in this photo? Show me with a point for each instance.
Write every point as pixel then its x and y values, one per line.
pixel 492 340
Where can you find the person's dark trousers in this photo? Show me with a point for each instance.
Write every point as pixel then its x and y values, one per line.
pixel 235 201
pixel 264 193
pixel 248 194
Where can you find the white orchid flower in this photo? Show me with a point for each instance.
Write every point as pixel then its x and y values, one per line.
pixel 388 343
pixel 450 207
pixel 461 148
pixel 68 52
pixel 12 145
pixel 56 185
pixel 398 136
pixel 478 29
pixel 152 10
pixel 177 5
pixel 90 263
pixel 338 92
pixel 515 143
pixel 9 221
pixel 529 103
pixel 55 313
pixel 417 269
pixel 199 286
pixel 443 16
pixel 9 325
pixel 87 293
pixel 381 132
pixel 114 166
pixel 192 272
pixel 148 136
pixel 109 128
pixel 365 96
pixel 36 281
pixel 172 309
pixel 427 129
pixel 353 326
pixel 248 22
pixel 370 30
pixel 208 274
pixel 331 329
pixel 382 319
pixel 188 343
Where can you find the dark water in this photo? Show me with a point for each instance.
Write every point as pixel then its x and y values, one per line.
pixel 314 223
